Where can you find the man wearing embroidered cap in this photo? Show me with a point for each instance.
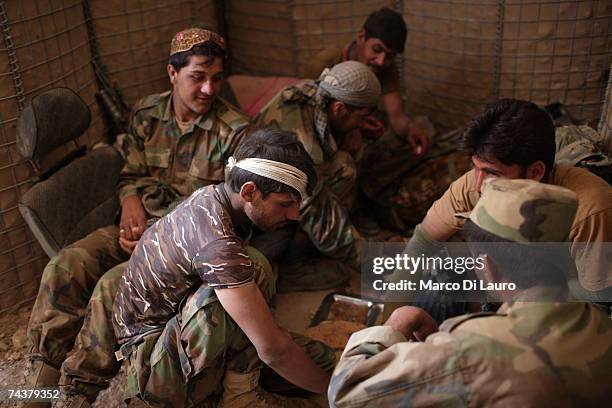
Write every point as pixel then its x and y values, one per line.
pixel 192 308
pixel 322 114
pixel 527 354
pixel 178 141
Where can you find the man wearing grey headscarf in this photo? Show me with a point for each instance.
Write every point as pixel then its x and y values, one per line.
pixel 322 113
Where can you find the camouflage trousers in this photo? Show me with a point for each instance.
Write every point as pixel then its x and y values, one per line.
pixel 93 363
pixel 66 286
pixel 302 266
pixel 402 186
pixel 340 177
pixel 186 362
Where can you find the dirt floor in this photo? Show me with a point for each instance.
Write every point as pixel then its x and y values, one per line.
pixel 13 352
pixel 294 312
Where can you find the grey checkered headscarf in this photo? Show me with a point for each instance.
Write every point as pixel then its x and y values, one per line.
pixel 350 82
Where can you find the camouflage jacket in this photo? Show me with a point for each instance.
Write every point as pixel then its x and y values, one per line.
pixel 159 159
pixel 323 215
pixel 199 242
pixel 527 355
pixel 584 147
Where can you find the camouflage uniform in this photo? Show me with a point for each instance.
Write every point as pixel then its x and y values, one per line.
pixel 509 358
pixel 324 215
pixel 403 186
pixel 161 165
pixel 528 354
pixel 581 146
pixel 400 185
pixel 178 359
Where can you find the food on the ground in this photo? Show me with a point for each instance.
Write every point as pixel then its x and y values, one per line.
pixel 349 312
pixel 334 333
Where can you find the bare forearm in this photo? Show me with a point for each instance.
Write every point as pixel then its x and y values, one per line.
pixel 400 124
pixel 294 365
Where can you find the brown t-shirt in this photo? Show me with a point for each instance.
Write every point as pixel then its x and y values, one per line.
pixel 388 76
pixel 593 222
pixel 197 243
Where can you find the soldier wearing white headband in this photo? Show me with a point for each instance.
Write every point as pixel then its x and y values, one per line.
pixel 194 282
pixel 279 171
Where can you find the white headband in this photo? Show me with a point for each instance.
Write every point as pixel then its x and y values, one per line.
pixel 278 171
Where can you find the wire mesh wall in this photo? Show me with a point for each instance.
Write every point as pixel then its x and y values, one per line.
pixel 462 54
pixel 46 43
pixel 276 37
pixel 133 39
pixel 605 123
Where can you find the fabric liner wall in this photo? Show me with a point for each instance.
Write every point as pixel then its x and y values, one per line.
pixel 459 55
pixel 45 45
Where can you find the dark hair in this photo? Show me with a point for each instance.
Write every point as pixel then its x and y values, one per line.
pixel 272 144
pixel 525 265
pixel 208 49
pixel 388 26
pixel 513 132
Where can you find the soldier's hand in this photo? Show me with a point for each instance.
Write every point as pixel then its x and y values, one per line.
pixel 412 322
pixel 397 238
pixel 126 245
pixel 418 140
pixel 372 127
pixel 132 224
pixel 351 142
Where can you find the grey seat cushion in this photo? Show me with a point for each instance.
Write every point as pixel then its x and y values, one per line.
pixel 74 201
pixel 51 119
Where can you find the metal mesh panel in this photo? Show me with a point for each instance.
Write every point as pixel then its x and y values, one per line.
pixel 45 44
pixel 462 54
pixel 276 37
pixel 134 39
pixel 459 55
pixel 605 123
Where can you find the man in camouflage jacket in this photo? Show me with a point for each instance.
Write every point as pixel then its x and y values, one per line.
pixel 321 114
pixel 178 141
pixel 527 354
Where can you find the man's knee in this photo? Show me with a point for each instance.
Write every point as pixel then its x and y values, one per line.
pixel 107 286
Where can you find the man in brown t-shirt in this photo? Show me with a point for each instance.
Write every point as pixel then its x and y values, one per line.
pixel 193 304
pixel 516 139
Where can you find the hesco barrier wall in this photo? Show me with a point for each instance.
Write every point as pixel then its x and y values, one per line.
pixel 460 54
pixel 605 124
pixel 276 37
pixel 47 43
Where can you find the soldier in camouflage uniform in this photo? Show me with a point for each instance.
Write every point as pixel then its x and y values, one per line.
pixel 401 171
pixel 178 141
pixel 322 114
pixel 184 310
pixel 516 139
pixel 527 354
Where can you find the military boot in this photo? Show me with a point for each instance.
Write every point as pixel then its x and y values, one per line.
pixel 71 400
pixel 39 374
pixel 241 390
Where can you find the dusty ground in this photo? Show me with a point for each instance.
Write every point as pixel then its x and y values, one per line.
pixel 294 312
pixel 13 351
